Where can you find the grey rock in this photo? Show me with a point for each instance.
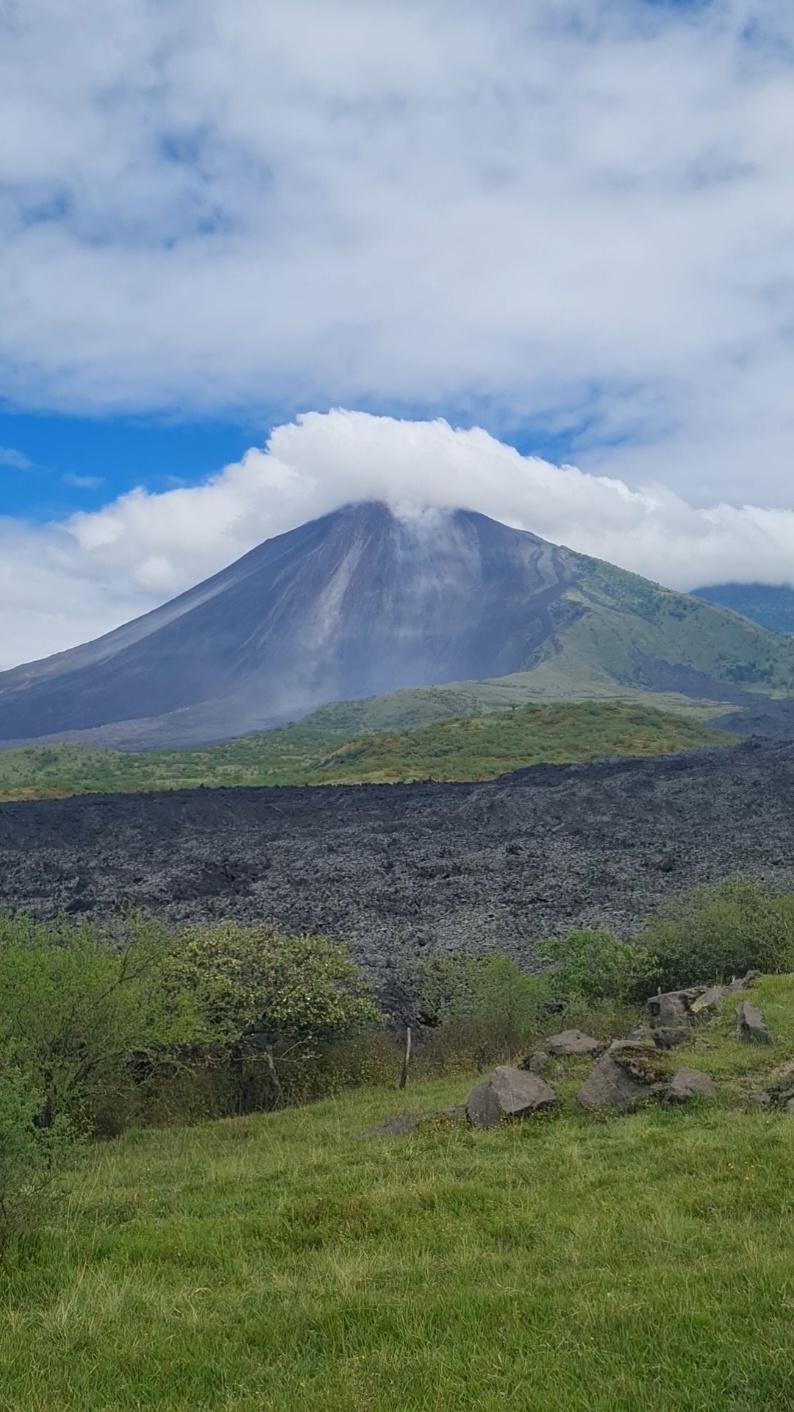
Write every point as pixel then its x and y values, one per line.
pixel 690 1083
pixel 482 1107
pixel 708 1003
pixel 535 1063
pixel 788 1106
pixel 610 1086
pixel 573 1042
pixel 761 1099
pixel 397 1126
pixel 671 1016
pixel 745 982
pixel 520 1093
pixel 750 1024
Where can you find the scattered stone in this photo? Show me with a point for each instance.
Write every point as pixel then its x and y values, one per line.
pixel 397 1126
pixel 745 982
pixel 482 1107
pixel 788 1106
pixel 671 1018
pixel 750 1025
pixel 573 1042
pixel 535 1063
pixel 709 1002
pixel 610 1086
pixel 519 1093
pixel 690 1083
pixel 762 1099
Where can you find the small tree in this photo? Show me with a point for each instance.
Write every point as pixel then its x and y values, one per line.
pixel 267 996
pixel 78 1000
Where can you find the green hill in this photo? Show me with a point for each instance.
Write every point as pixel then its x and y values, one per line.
pixel 280 1263
pixel 336 746
pixel 771 605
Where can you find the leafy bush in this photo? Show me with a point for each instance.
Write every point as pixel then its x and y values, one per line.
pixel 593 965
pixel 485 1004
pixel 29 1153
pixel 79 1001
pixel 273 1002
pixel 715 932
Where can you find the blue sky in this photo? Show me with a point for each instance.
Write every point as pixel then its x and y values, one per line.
pixel 569 223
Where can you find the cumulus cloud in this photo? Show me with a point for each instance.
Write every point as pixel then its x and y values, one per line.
pixel 64 583
pixel 574 213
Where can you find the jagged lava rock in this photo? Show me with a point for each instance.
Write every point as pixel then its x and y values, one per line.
pixel 690 1083
pixel 610 1086
pixel 750 1024
pixel 572 1042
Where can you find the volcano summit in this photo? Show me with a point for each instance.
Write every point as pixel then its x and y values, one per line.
pixel 365 601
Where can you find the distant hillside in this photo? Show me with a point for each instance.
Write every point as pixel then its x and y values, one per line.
pixel 315 751
pixel 365 603
pixel 770 605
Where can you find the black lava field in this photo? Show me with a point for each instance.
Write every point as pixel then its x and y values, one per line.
pixel 402 869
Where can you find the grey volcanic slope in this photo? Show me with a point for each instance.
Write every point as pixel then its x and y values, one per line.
pixel 403 869
pixel 356 604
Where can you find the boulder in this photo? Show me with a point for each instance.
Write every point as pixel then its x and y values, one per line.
pixel 610 1086
pixel 641 1060
pixel 509 1093
pixel 750 1025
pixel 671 1018
pixel 520 1093
pixel 482 1107
pixel 761 1099
pixel 536 1062
pixel 708 1003
pixel 745 982
pixel 690 1083
pixel 573 1042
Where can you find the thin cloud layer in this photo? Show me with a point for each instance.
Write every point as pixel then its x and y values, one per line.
pixel 578 214
pixel 62 584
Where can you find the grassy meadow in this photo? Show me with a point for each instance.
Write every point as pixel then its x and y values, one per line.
pixel 568 1264
pixel 331 747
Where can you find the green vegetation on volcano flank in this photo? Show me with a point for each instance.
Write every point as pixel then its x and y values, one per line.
pixel 319 750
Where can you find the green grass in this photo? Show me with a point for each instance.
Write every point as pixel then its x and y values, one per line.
pixel 318 751
pixel 279 1262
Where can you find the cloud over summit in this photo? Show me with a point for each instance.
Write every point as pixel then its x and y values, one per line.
pixel 64 583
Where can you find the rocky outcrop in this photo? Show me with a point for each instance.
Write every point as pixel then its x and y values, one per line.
pixel 611 1086
pixel 690 1083
pixel 509 1093
pixel 572 1042
pixel 750 1025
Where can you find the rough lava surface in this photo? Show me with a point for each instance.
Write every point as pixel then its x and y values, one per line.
pixel 403 870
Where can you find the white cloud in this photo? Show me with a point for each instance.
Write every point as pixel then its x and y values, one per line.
pixel 15 459
pixel 573 212
pixel 62 584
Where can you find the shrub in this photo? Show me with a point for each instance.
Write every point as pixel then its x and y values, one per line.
pixel 485 1005
pixel 593 965
pixel 29 1154
pixel 79 1001
pixel 713 933
pixel 272 1003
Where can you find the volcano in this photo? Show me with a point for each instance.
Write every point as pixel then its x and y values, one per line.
pixel 356 604
pixel 366 601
